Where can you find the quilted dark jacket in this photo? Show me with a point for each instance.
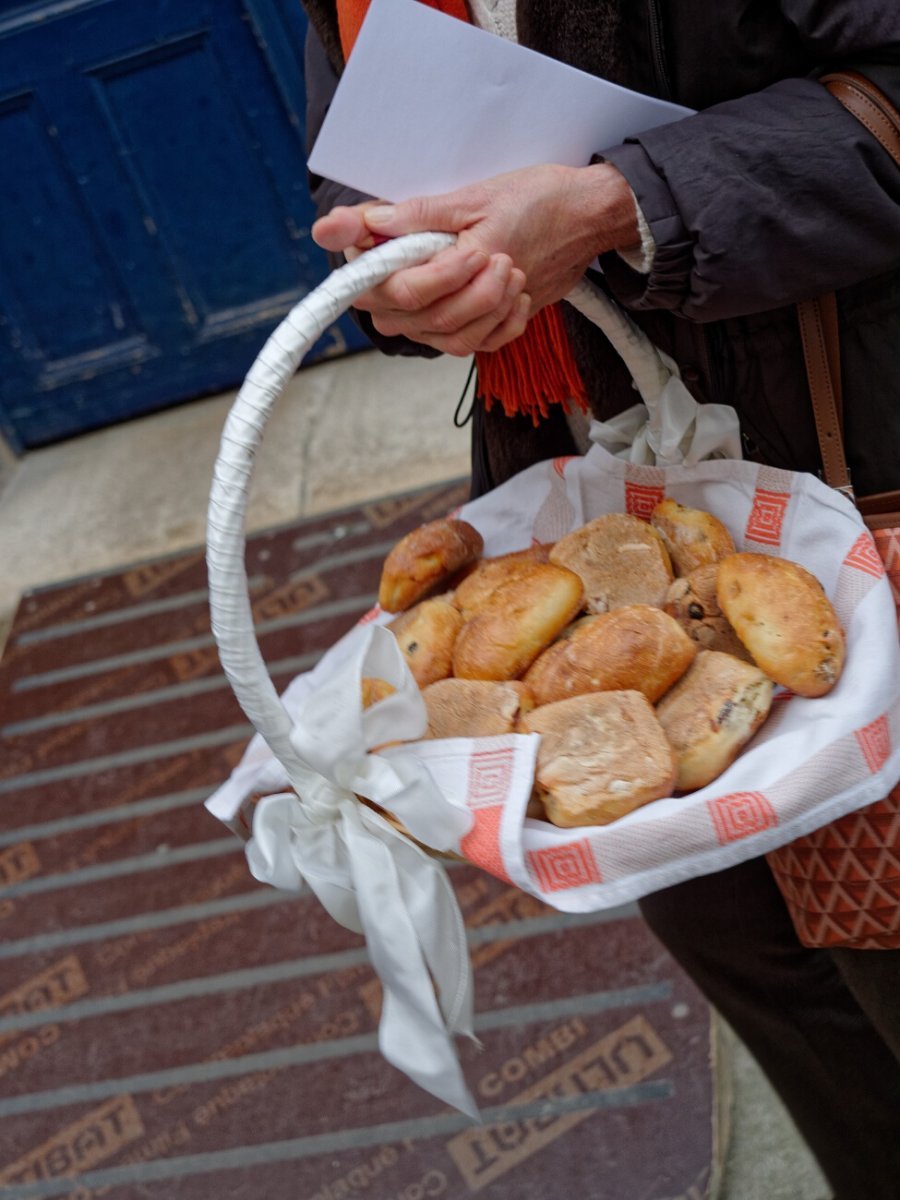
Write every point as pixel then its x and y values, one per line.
pixel 770 194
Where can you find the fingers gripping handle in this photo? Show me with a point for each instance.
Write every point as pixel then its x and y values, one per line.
pixel 231 614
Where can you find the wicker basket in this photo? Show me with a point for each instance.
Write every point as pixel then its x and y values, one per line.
pixel 373 878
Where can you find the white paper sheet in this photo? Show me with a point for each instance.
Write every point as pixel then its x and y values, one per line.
pixel 428 103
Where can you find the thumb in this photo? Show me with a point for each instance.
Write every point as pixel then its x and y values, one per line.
pixel 426 214
pixel 343 227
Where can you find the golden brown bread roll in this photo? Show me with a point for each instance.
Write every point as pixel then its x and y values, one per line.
pixel 711 714
pixel 425 560
pixel 374 689
pixel 692 537
pixel 621 560
pixel 638 648
pixel 521 618
pixel 426 635
pixel 693 602
pixel 601 755
pixel 782 615
pixel 473 592
pixel 474 707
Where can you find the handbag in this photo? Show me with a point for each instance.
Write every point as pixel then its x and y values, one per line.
pixel 841 883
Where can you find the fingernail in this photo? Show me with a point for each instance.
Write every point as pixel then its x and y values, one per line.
pixel 380 214
pixel 502 267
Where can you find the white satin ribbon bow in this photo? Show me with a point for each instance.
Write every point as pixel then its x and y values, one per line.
pixel 367 875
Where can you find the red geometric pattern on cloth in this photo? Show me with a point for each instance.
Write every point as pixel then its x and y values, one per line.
pixel 875 742
pixel 481 845
pixel 764 525
pixel 490 774
pixel 369 617
pixel 558 868
pixel 864 556
pixel 842 883
pixel 640 500
pixel 645 486
pixel 740 814
pixel 851 588
pixel 560 464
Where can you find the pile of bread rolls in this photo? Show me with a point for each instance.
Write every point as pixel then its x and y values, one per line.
pixel 645 653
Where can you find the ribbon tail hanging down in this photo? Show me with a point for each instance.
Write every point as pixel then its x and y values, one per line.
pixel 412 1034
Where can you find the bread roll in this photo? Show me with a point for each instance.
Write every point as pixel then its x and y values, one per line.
pixel 638 647
pixel 693 537
pixel 621 560
pixel 474 707
pixel 521 618
pixel 374 689
pixel 711 714
pixel 425 560
pixel 426 635
pixel 693 603
pixel 782 615
pixel 601 756
pixel 475 591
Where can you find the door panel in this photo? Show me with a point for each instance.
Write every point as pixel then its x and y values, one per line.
pixel 154 217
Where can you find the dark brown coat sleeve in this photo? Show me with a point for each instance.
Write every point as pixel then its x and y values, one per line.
pixel 776 196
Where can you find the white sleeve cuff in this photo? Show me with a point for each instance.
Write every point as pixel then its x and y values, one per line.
pixel 640 258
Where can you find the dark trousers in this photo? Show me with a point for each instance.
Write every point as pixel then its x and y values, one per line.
pixel 823 1025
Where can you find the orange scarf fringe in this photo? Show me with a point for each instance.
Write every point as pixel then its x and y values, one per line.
pixel 536 370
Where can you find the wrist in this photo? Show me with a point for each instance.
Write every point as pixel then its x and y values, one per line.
pixel 611 209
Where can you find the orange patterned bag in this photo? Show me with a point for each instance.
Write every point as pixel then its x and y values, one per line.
pixel 842 882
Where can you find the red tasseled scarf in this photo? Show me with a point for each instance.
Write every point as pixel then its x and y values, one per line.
pixel 536 370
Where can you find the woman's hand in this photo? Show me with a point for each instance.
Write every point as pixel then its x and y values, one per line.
pixel 457 302
pixel 524 239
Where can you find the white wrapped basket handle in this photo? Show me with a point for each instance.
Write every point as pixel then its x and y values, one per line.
pixel 232 620
pixel 231 615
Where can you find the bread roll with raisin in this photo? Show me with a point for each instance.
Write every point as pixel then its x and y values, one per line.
pixel 620 559
pixel 692 601
pixel 711 714
pixel 638 648
pixel 782 615
pixel 426 635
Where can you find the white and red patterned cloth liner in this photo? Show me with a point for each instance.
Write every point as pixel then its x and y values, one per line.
pixel 813 760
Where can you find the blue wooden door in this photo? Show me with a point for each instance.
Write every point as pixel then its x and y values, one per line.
pixel 154 218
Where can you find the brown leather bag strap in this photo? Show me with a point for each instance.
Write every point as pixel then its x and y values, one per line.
pixel 818 318
pixel 869 105
pixel 821 351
